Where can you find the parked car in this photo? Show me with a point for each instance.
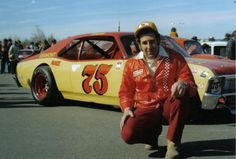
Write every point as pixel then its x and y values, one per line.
pixel 25 53
pixel 195 49
pixel 216 69
pixel 89 68
pixel 215 47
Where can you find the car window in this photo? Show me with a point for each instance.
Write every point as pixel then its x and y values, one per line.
pixel 170 43
pixel 72 50
pixel 98 48
pixel 25 52
pixel 220 50
pixel 91 48
pixel 206 48
pixel 89 52
pixel 129 45
pixel 193 47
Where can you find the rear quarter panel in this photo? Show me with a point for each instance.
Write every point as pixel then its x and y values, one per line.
pixel 25 70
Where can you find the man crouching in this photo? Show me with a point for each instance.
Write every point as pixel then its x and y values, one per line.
pixel 156 84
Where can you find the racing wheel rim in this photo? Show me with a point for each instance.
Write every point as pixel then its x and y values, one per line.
pixel 41 86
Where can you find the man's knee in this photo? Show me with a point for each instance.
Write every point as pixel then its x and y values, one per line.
pixel 179 102
pixel 128 136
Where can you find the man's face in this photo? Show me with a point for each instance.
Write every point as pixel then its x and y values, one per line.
pixel 148 44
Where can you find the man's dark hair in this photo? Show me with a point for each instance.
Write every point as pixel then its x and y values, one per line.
pixel 233 34
pixel 173 29
pixel 148 31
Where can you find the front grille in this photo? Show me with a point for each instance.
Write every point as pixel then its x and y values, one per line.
pixel 229 85
pixel 230 101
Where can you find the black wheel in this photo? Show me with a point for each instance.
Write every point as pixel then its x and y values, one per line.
pixel 44 88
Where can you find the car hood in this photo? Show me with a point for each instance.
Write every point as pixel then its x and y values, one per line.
pixel 218 66
pixel 207 56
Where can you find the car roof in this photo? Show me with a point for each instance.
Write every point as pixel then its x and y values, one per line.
pixel 215 43
pixel 101 34
pixel 62 43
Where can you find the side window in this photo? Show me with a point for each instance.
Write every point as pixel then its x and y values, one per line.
pixel 92 48
pixel 72 50
pixel 89 52
pixel 206 48
pixel 130 46
pixel 220 50
pixel 98 49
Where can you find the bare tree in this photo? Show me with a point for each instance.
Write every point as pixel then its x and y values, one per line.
pixel 38 35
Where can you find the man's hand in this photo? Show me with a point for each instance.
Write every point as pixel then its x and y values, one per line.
pixel 178 89
pixel 126 114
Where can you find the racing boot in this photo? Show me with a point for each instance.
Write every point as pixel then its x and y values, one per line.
pixel 172 150
pixel 153 146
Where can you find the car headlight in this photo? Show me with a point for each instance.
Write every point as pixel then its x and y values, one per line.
pixel 215 86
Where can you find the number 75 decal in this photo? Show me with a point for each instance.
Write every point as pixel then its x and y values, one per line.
pixel 100 71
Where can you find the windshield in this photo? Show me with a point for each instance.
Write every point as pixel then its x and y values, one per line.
pixel 131 47
pixel 168 42
pixel 193 47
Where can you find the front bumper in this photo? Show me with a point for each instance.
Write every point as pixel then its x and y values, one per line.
pixel 211 102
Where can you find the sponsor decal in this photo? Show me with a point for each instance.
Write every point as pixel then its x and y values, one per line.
pixel 138 72
pixel 75 67
pixel 119 65
pixel 97 72
pixel 56 63
pixel 204 74
pixel 47 55
pixel 200 85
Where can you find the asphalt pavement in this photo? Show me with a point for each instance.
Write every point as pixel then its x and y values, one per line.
pixel 79 130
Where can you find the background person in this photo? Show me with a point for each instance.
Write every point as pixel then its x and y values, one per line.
pixel 54 41
pixel 173 32
pixel 195 38
pixel 0 49
pixel 46 45
pixel 156 84
pixel 13 56
pixel 5 59
pixel 227 36
pixel 231 46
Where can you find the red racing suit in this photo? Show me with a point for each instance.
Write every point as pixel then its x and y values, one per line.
pixel 140 88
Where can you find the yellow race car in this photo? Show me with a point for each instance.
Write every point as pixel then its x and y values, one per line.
pixel 89 68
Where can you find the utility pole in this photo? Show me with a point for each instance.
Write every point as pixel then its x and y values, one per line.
pixel 119 26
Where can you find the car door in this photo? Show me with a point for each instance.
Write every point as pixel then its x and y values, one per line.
pixel 96 76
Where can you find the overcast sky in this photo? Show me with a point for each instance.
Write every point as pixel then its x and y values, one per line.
pixel 63 18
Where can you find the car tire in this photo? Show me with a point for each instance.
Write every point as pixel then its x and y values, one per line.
pixel 44 88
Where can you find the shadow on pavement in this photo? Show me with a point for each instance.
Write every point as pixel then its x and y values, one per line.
pixel 220 116
pixel 13 93
pixel 210 148
pixel 6 85
pixel 26 102
pixel 91 105
pixel 18 104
